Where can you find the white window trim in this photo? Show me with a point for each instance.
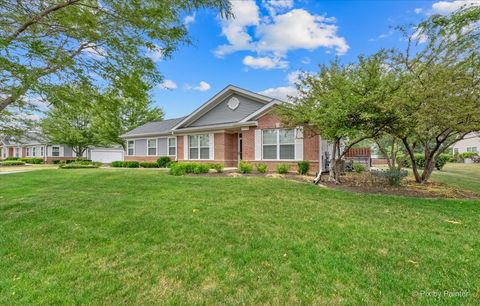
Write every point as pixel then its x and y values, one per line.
pixel 199 147
pixel 278 146
pixel 59 153
pixel 132 140
pixel 168 146
pixel 156 147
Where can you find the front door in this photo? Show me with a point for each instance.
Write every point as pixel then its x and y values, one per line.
pixel 240 147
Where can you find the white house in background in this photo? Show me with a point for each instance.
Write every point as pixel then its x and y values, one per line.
pixel 471 143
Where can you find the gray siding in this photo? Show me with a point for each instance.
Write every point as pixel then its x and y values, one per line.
pixel 67 151
pixel 140 147
pixel 221 113
pixel 162 146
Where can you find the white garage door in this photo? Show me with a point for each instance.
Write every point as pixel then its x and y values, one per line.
pixel 106 156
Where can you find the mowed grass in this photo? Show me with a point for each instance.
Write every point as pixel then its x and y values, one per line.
pixel 144 237
pixel 464 176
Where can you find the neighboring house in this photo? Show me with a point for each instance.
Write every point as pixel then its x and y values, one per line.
pixel 35 145
pixel 471 143
pixel 234 125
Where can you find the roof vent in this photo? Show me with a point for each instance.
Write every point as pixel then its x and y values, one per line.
pixel 233 103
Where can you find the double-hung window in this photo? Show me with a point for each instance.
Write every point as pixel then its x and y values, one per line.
pixel 33 151
pixel 278 144
pixel 472 149
pixel 131 147
pixel 199 146
pixel 172 146
pixel 55 151
pixel 17 152
pixel 28 152
pixel 42 152
pixel 152 146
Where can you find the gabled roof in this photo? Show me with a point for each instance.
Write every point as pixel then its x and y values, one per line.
pixel 218 98
pixel 33 138
pixel 154 128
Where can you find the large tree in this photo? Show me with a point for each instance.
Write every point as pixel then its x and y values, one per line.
pixel 343 104
pixel 46 43
pixel 439 102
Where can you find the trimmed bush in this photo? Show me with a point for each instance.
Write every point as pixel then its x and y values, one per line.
pixel 12 158
pixel 217 167
pixel 466 155
pixel 148 165
pixel 56 161
pixel 80 165
pixel 201 168
pixel 186 168
pixel 282 168
pixel 303 167
pixel 442 160
pixel 392 176
pixel 131 164
pixel 359 167
pixel 117 164
pixel 245 167
pixel 7 163
pixel 261 167
pixel 164 162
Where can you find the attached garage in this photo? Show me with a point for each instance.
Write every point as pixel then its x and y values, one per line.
pixel 106 155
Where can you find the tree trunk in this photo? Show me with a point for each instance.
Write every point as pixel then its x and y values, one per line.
pixel 409 149
pixel 334 171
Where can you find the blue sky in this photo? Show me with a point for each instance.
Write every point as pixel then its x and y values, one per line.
pixel 269 41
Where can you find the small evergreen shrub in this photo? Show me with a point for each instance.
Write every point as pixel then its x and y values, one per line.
pixel 201 168
pixel 56 161
pixel 261 167
pixel 117 164
pixel 132 164
pixel 393 177
pixel 442 160
pixel 7 163
pixel 217 167
pixel 80 165
pixel 164 161
pixel 148 165
pixel 12 158
pixel 282 168
pixel 245 167
pixel 303 167
pixel 466 155
pixel 359 167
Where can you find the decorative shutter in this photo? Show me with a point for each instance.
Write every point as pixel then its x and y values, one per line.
pixel 299 144
pixel 185 147
pixel 258 144
pixel 211 144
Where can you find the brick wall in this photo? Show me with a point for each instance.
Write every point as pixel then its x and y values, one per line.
pixel 142 158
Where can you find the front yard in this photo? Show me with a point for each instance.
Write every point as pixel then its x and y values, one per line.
pixel 105 236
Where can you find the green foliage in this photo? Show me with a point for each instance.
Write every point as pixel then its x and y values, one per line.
pixel 466 155
pixel 282 168
pixel 12 158
pixel 188 168
pixel 131 164
pixel 80 165
pixel 217 167
pixel 261 167
pixel 164 161
pixel 245 167
pixel 442 160
pixel 117 164
pixel 393 177
pixel 359 167
pixel 303 167
pixel 148 164
pixel 33 160
pixel 11 163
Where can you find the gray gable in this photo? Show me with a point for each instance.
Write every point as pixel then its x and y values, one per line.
pixel 154 127
pixel 222 113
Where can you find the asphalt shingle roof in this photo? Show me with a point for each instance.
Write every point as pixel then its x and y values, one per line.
pixel 157 127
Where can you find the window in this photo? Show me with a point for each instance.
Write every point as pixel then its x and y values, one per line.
pixel 199 146
pixel 172 146
pixel 131 147
pixel 455 151
pixel 17 152
pixel 55 151
pixel 28 151
pixel 152 146
pixel 278 144
pixel 42 152
pixel 472 149
pixel 33 151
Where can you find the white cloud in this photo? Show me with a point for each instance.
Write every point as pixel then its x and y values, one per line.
pixel 446 7
pixel 274 36
pixel 418 10
pixel 294 76
pixel 281 93
pixel 264 62
pixel 202 86
pixel 417 35
pixel 188 20
pixel 96 52
pixel 168 84
pixel 156 54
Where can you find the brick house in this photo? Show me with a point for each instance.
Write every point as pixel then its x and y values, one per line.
pixel 234 125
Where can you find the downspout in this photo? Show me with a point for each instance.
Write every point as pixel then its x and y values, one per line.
pixel 317 178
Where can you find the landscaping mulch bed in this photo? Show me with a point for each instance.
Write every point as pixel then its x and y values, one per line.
pixel 363 182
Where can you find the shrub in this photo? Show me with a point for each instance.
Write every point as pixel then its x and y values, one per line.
pixel 245 167
pixel 466 155
pixel 359 167
pixel 282 168
pixel 131 164
pixel 261 167
pixel 148 165
pixel 117 164
pixel 303 167
pixel 7 163
pixel 177 169
pixel 442 160
pixel 32 160
pixel 164 161
pixel 393 176
pixel 56 162
pixel 217 167
pixel 201 168
pixel 12 158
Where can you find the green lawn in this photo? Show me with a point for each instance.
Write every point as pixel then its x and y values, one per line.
pixel 466 176
pixel 144 237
